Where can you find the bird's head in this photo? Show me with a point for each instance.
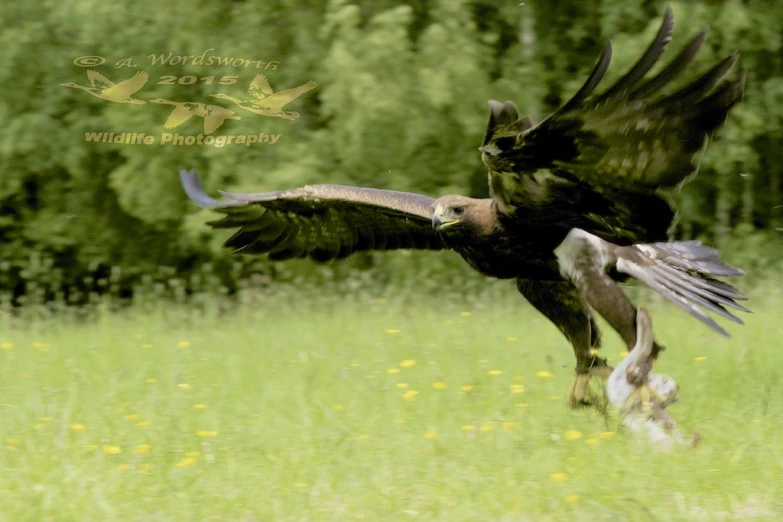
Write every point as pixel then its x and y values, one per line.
pixel 503 130
pixel 451 213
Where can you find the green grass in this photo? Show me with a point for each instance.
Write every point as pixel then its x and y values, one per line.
pixel 297 411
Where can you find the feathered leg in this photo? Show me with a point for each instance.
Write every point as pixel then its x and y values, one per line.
pixel 562 303
pixel 581 263
pixel 682 272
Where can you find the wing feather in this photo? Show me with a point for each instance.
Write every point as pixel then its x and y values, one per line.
pixel 322 222
pixel 592 81
pixel 645 63
pixel 623 144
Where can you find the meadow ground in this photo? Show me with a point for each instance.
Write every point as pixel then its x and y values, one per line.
pixel 374 408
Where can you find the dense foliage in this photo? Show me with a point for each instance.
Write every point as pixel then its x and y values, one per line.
pixel 401 103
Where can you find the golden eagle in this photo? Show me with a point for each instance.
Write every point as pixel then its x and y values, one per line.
pixel 573 206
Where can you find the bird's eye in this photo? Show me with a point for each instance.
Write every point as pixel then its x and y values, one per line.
pixel 459 210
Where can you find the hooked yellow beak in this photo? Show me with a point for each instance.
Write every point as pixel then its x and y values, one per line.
pixel 439 221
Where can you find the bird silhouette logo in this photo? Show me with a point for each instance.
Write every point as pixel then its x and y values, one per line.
pixel 266 102
pixel 261 99
pixel 105 89
pixel 214 115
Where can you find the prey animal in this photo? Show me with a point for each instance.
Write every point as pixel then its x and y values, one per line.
pixel 642 396
pixel 573 207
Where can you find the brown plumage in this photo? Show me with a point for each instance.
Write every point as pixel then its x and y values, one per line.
pixel 571 200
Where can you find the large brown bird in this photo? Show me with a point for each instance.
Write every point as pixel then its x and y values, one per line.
pixel 573 208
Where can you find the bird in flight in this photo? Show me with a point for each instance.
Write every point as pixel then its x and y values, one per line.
pixel 214 115
pixel 573 207
pixel 266 102
pixel 105 89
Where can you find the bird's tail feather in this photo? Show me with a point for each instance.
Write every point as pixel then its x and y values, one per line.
pixel 684 273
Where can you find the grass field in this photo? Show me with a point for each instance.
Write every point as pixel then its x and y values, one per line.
pixel 373 408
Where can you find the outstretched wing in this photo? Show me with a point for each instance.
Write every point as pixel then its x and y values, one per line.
pixel 322 222
pixel 259 88
pixel 129 86
pixel 625 140
pixel 98 80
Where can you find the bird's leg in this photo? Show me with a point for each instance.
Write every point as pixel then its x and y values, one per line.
pixel 561 303
pixel 578 258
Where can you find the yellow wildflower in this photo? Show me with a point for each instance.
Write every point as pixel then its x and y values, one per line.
pixel 393 370
pixel 146 346
pixel 700 359
pixel 464 314
pixel 573 434
pixel 206 433
pixel 439 385
pixel 495 373
pixel 133 417
pixel 517 388
pixel 184 386
pixel 408 363
pixel 6 345
pixel 151 380
pixel 77 427
pixel 184 463
pixel 510 425
pixel 468 428
pixel 591 440
pixel 543 373
pixel 182 345
pixel 558 477
pixel 430 434
pixel 301 485
pixel 511 339
pixel 143 449
pixel 410 395
pixel 466 388
pixel 142 424
pixel 123 467
pixel 607 434
pixel 623 353
pixel 572 498
pixel 486 428
pixel 522 405
pixel 192 454
pixel 401 385
pixel 112 449
pixel 199 406
pixel 338 407
pixel 392 331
